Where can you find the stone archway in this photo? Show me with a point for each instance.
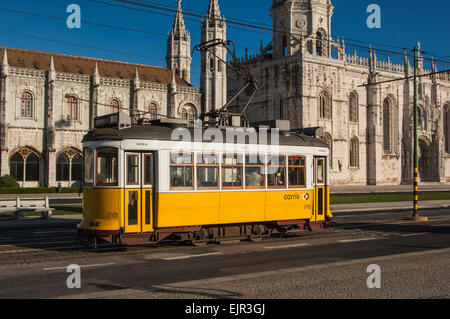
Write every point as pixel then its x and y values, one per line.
pixel 424 155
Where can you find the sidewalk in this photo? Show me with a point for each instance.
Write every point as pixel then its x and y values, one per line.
pixel 368 189
pixel 72 220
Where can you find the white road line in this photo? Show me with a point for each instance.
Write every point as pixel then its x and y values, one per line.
pixel 416 234
pixel 81 266
pixel 191 256
pixel 286 246
pixel 356 240
pixel 55 232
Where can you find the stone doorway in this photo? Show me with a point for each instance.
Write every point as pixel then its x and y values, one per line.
pixel 425 165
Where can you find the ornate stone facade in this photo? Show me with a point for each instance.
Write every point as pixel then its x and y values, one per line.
pixel 310 79
pixel 48 103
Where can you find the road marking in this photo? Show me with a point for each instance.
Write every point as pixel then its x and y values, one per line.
pixel 356 240
pixel 286 246
pixel 55 232
pixel 416 234
pixel 197 283
pixel 191 256
pixel 81 266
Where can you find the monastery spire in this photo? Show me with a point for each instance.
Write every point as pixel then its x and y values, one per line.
pixel 179 29
pixel 213 9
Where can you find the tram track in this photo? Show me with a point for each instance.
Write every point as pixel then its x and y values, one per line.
pixel 57 248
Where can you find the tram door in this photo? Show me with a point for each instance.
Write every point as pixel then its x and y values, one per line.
pixel 320 198
pixel 138 192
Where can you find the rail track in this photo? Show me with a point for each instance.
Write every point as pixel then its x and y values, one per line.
pixel 62 245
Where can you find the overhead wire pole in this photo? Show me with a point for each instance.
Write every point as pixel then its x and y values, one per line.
pixel 415 215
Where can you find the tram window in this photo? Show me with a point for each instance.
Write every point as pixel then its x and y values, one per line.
pixel 276 172
pixel 297 171
pixel 254 172
pixel 133 200
pixel 232 171
pixel 320 171
pixel 181 170
pixel 107 167
pixel 88 166
pixel 148 169
pixel 207 171
pixel 132 169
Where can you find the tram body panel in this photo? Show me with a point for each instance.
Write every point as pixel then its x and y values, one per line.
pixel 102 209
pixel 179 209
pixel 289 205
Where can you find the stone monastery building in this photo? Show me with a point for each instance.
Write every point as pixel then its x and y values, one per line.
pixel 312 80
pixel 48 101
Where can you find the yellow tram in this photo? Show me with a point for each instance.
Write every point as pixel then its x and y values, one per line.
pixel 142 183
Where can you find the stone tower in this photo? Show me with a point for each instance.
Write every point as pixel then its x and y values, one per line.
pixel 179 48
pixel 213 80
pixel 293 19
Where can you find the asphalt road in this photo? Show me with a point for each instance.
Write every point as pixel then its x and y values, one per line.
pixel 413 259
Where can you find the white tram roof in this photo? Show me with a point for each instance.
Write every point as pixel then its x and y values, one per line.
pixel 164 133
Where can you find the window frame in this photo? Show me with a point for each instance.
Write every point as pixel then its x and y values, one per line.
pixel 145 169
pixel 216 166
pixel 180 188
pixel 283 166
pixel 96 182
pixel 72 105
pixel 296 167
pixel 264 175
pixel 138 179
pixel 92 167
pixel 27 99
pixel 224 166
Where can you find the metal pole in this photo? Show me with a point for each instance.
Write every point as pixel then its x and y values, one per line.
pixel 416 159
pixel 415 215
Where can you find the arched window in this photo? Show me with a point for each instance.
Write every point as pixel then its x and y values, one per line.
pixel 386 126
pixel 16 165
pixel 114 106
pixel 72 108
pixel 77 168
pixel 328 139
pixel 24 166
pixel 62 168
pixel 153 111
pixel 26 105
pixel 354 152
pixel 69 166
pixel 321 44
pixel 188 113
pixel 353 107
pixel 324 105
pixel 447 128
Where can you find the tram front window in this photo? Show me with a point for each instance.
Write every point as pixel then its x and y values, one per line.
pixel 107 167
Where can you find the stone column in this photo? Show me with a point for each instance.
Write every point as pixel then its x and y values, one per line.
pixel 49 150
pixel 93 108
pixel 4 152
pixel 374 140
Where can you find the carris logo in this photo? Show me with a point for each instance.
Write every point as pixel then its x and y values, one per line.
pixel 291 197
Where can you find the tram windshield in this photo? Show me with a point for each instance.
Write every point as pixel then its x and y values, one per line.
pixel 107 167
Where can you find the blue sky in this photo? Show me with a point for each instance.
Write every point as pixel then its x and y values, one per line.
pixel 404 22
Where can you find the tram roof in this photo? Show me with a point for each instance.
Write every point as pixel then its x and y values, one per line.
pixel 164 133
